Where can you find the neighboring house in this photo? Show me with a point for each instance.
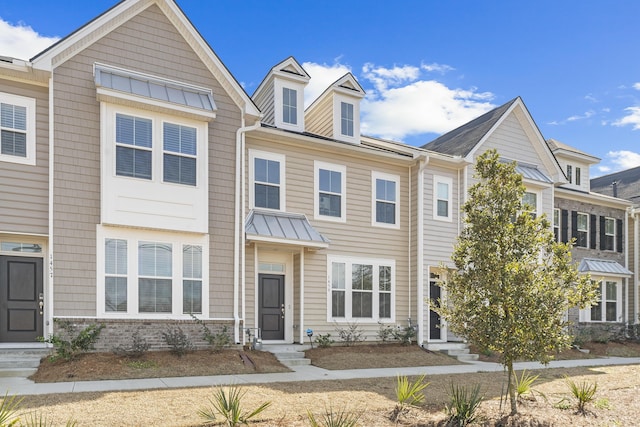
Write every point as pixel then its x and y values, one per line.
pixel 626 185
pixel 510 130
pixel 327 213
pixel 118 178
pixel 597 225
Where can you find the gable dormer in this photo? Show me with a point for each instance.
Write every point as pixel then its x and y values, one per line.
pixel 574 163
pixel 336 113
pixel 280 96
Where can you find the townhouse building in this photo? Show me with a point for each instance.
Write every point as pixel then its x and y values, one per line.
pixel 141 192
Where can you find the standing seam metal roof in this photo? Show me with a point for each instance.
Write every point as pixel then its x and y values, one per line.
pixel 291 228
pixel 592 265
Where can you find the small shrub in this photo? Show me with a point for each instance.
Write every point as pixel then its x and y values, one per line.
pixel 229 406
pixel 331 418
pixel 218 340
pixel 70 343
pixel 524 383
pixel 178 341
pixel 404 334
pixel 385 332
pixel 584 392
pixel 408 394
pixel 8 409
pixel 138 347
pixel 463 405
pixel 36 419
pixel 324 341
pixel 350 334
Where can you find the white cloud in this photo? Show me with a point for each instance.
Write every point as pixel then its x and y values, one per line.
pixel 623 159
pixel 435 67
pixel 399 103
pixel 21 41
pixel 603 169
pixel 632 118
pixel 590 97
pixel 382 77
pixel 586 115
pixel 424 106
pixel 322 76
pixel 636 86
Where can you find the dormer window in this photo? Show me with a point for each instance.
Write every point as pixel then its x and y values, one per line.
pixel 570 173
pixel 578 178
pixel 346 119
pixel 289 106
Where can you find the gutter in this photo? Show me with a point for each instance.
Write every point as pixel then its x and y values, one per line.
pixel 239 234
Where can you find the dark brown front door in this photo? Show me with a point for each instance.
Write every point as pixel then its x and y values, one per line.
pixel 271 306
pixel 20 295
pixel 435 333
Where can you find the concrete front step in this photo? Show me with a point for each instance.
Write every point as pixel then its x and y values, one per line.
pixel 289 354
pixel 21 358
pixel 458 350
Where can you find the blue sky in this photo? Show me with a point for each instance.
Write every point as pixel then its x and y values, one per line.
pixel 427 66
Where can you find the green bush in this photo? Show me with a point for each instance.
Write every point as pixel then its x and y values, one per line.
pixel 229 406
pixel 404 334
pixel 70 343
pixel 463 405
pixel 331 418
pixel 138 347
pixel 218 340
pixel 350 334
pixel 178 341
pixel 524 383
pixel 324 341
pixel 584 392
pixel 385 332
pixel 408 394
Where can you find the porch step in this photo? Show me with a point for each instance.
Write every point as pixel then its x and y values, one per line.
pixel 458 350
pixel 289 355
pixel 20 361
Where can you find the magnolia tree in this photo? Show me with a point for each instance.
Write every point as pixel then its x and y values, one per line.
pixel 513 282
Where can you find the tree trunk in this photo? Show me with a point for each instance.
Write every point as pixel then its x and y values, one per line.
pixel 511 388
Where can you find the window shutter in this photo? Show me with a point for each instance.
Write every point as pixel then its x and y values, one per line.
pixel 574 224
pixel 603 237
pixel 593 221
pixel 564 225
pixel 619 235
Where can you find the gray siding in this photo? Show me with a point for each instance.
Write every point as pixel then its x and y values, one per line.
pixel 24 189
pixel 140 44
pixel 512 142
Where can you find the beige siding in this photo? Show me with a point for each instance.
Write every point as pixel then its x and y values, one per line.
pixel 356 237
pixel 320 119
pixel 140 44
pixel 24 189
pixel 266 103
pixel 633 281
pixel 512 142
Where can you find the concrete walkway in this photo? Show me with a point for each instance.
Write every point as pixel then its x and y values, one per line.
pixel 24 386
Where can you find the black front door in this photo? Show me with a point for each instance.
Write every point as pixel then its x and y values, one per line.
pixel 20 296
pixel 271 306
pixel 435 332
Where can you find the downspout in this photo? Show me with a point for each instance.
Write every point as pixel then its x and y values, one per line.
pixel 636 262
pixel 238 235
pixel 409 215
pixel 49 325
pixel 420 252
pixel 301 328
pixel 626 265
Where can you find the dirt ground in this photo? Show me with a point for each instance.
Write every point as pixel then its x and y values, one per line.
pixel 616 402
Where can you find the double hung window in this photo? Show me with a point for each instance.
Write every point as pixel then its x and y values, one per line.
pixel 442 198
pixel 346 119
pixel 289 106
pixel 609 305
pixel 330 183
pixel 385 199
pixel 17 129
pixel 268 180
pixel 609 234
pixel 582 239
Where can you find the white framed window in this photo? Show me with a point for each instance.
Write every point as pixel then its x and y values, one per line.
pixel 556 224
pixel 267 176
pixel 17 129
pixel 385 206
pixel 346 119
pixel 360 289
pixel 147 274
pixel 582 239
pixel 330 191
pixel 578 176
pixel 442 197
pixel 530 203
pixel 134 142
pixel 289 106
pixel 570 173
pixel 609 306
pixel 609 234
